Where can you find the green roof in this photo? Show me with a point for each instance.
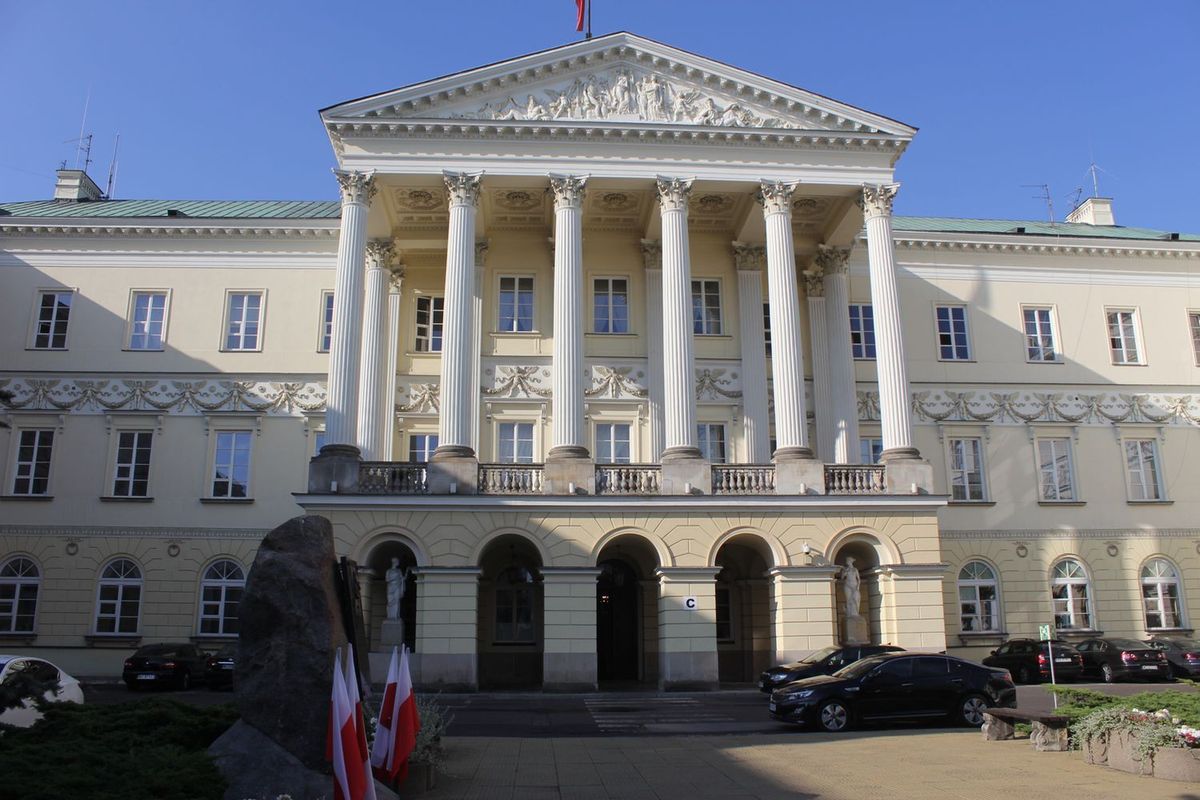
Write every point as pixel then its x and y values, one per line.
pixel 1030 228
pixel 194 209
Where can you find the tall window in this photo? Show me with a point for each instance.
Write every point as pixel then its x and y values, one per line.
pixel 516 305
pixel 34 449
pixel 53 314
pixel 231 464
pixel 19 582
pixel 1160 594
pixel 1141 468
pixel 706 307
pixel 131 477
pixel 966 469
pixel 1123 336
pixel 862 331
pixel 952 333
pixel 870 450
pixel 1194 326
pixel 1056 473
pixel 326 322
pixel 767 327
pixel 1041 343
pixel 430 313
pixel 978 598
pixel 421 447
pixel 147 320
pixel 119 597
pixel 220 593
pixel 243 321
pixel 516 442
pixel 610 305
pixel 514 605
pixel 1070 591
pixel 710 438
pixel 612 443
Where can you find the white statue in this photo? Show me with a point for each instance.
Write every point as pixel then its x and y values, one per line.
pixel 397 580
pixel 851 583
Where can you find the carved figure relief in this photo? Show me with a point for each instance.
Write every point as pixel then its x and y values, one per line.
pixel 614 382
pixel 522 381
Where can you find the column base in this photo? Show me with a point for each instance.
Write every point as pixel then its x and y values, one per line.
pixel 907 475
pixel 798 475
pixel 794 454
pixel 686 472
pixel 569 470
pixel 569 672
pixel 453 469
pixel 899 454
pixel 688 672
pixel 334 470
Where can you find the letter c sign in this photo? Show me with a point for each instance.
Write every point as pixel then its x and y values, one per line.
pixel 689 603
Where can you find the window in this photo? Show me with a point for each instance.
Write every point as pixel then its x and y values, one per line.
pixel 706 308
pixel 612 443
pixel 1141 469
pixel 710 438
pixel 231 464
pixel 32 473
pixel 862 332
pixel 1040 340
pixel 19 582
pixel 1160 594
pixel 119 597
pixel 978 598
pixel 421 447
pixel 767 327
pixel 516 443
pixel 931 667
pixel 1070 591
pixel 610 305
pixel 1194 326
pixel 1056 473
pixel 1123 336
pixel 870 450
pixel 131 477
pixel 243 321
pixel 220 593
pixel 147 320
pixel 430 313
pixel 320 437
pixel 516 305
pixel 966 470
pixel 326 322
pixel 514 605
pixel 53 314
pixel 952 333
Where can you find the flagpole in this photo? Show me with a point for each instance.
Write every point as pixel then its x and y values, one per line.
pixel 589 20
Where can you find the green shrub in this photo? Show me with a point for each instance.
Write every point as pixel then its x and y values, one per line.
pixel 1076 703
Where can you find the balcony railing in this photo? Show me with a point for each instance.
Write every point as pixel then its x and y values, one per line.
pixel 510 479
pixel 387 477
pixel 628 479
pixel 854 479
pixel 743 478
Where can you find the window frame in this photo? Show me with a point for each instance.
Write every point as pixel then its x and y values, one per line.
pixel 130 319
pixel 1055 337
pixel 864 345
pixel 517 590
pixel 413 449
pixel 1193 319
pixel 533 439
pixel 114 464
pixel 766 322
pixel 612 440
pixel 704 295
pixel 217 429
pixel 20 582
pixel 432 325
pixel 1160 487
pixel 15 462
pixel 981 464
pixel 223 584
pixel 864 442
pixel 704 442
pixel 1138 339
pixel 1072 472
pixel 976 584
pixel 121 583
pixel 516 319
pixel 937 332
pixel 610 294
pixel 1088 596
pixel 35 319
pixel 325 318
pixel 227 319
pixel 1158 581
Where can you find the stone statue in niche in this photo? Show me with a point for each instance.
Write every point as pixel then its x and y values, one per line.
pixel 397 580
pixel 854 625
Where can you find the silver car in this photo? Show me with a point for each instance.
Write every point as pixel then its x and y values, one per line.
pixel 25 715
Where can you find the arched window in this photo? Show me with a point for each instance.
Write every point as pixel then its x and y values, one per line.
pixel 1071 591
pixel 19 582
pixel 978 598
pixel 514 605
pixel 119 597
pixel 220 594
pixel 1160 594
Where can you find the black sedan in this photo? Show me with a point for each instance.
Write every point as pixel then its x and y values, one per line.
pixel 1029 660
pixel 174 665
pixel 895 686
pixel 1113 659
pixel 218 670
pixel 1182 654
pixel 822 662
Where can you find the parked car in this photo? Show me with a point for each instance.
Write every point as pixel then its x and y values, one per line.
pixel 1111 659
pixel 895 686
pixel 1029 660
pixel 67 691
pixel 218 670
pixel 177 665
pixel 822 662
pixel 1182 654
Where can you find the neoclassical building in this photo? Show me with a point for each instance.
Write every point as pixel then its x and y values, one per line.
pixel 622 354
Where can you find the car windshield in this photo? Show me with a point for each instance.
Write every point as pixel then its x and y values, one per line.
pixel 859 668
pixel 1127 644
pixel 819 656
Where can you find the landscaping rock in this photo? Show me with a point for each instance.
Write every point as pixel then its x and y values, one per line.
pixel 1177 764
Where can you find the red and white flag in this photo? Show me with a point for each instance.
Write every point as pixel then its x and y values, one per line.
pixel 580 11
pixel 349 780
pixel 396 732
pixel 360 725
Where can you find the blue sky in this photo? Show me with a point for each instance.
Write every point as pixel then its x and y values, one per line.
pixel 219 99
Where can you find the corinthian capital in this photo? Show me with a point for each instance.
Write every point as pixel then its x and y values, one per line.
pixel 673 193
pixel 877 200
pixel 568 190
pixel 814 282
pixel 749 256
pixel 396 278
pixel 462 187
pixel 357 187
pixel 652 253
pixel 776 197
pixel 481 250
pixel 380 253
pixel 832 260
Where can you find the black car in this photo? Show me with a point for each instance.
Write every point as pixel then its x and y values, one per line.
pixel 175 665
pixel 1111 659
pixel 822 662
pixel 1182 654
pixel 895 686
pixel 1029 660
pixel 218 670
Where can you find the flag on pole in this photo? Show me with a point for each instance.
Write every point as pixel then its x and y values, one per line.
pixel 349 781
pixel 580 10
pixel 360 724
pixel 396 733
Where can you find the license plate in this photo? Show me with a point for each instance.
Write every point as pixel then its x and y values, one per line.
pixel 771 706
pixel 1062 661
pixel 146 677
pixel 227 666
pixel 1150 666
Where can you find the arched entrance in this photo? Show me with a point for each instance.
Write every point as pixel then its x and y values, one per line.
pixel 626 613
pixel 744 641
pixel 510 642
pixel 383 634
pixel 863 550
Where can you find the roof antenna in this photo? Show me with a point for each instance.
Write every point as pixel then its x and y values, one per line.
pixel 80 146
pixel 112 170
pixel 1076 196
pixel 1045 195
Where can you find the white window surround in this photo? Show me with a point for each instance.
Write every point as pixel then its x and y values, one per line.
pixel 31 463
pixel 862 331
pixel 1193 318
pixel 119 588
pixel 613 442
pixel 1040 330
pixel 609 317
pixel 143 332
pixel 250 331
pixel 217 423
pixel 1162 595
pixel 1123 325
pixel 979 598
pixel 1071 595
pixel 37 331
pixel 221 587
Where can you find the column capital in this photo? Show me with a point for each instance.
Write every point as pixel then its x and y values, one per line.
pixel 462 187
pixel 776 196
pixel 832 260
pixel 568 190
pixel 814 282
pixel 876 201
pixel 481 250
pixel 749 257
pixel 380 253
pixel 652 253
pixel 357 187
pixel 395 279
pixel 673 193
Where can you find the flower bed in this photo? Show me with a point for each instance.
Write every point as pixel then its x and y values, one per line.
pixel 1142 742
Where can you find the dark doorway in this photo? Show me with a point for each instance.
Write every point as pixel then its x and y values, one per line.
pixel 617 621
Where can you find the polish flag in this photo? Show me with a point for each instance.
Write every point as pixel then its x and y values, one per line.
pixel 396 732
pixel 580 10
pixel 349 782
pixel 360 725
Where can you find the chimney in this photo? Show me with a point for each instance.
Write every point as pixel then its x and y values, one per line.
pixel 1093 211
pixel 74 185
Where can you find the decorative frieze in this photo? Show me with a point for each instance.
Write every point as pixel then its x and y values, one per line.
pixel 717 384
pixel 518 381
pixel 185 397
pixel 614 383
pixel 422 398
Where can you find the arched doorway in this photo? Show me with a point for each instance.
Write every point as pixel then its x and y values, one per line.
pixel 510 642
pixel 863 551
pixel 744 641
pixel 374 596
pixel 626 613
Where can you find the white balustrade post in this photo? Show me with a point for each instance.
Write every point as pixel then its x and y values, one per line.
pixel 842 385
pixel 822 389
pixel 652 255
pixel 749 260
pixel 372 417
pixel 393 356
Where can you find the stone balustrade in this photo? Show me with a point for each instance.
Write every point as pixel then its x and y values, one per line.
pixel 743 478
pixel 510 479
pixel 628 479
pixel 854 479
pixel 387 477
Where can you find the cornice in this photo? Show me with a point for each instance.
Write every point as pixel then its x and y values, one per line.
pixel 1038 246
pixel 16 226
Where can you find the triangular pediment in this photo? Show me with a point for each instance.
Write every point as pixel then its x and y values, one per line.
pixel 618 79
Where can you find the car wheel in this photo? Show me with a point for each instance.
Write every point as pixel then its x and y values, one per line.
pixel 1107 673
pixel 185 680
pixel 1023 675
pixel 971 710
pixel 834 716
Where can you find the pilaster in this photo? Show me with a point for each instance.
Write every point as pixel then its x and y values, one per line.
pixel 913 608
pixel 569 629
pixel 822 389
pixel 481 249
pixel 447 618
pixel 802 610
pixel 652 255
pixel 395 284
pixel 749 260
pixel 687 628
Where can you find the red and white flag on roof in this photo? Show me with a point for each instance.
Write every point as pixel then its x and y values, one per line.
pixel 580 12
pixel 349 779
pixel 396 732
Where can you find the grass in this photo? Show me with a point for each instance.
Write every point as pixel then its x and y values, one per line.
pixel 1076 703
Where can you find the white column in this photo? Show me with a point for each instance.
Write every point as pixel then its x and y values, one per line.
pixel 458 330
pixel 822 390
pixel 756 419
pixel 787 357
pixel 393 357
pixel 481 248
pixel 894 411
pixel 679 397
pixel 341 403
pixel 567 434
pixel 652 254
pixel 372 417
pixel 842 386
